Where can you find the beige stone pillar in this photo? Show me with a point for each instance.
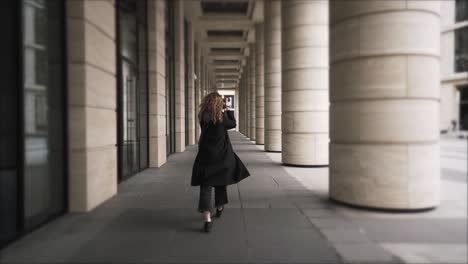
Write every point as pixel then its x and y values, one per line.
pixel 179 75
pixel 247 97
pixel 92 123
pixel 191 86
pixel 246 104
pixel 384 92
pixel 242 105
pixel 205 79
pixel 236 106
pixel 202 76
pixel 272 93
pixel 252 87
pixel 259 81
pixel 304 82
pixel 157 83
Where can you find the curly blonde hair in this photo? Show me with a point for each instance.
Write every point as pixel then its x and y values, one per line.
pixel 212 103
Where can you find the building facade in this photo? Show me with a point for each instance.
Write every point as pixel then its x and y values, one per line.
pixel 97 91
pixel 454 66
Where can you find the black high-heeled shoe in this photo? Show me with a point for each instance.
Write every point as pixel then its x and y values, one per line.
pixel 207 227
pixel 219 212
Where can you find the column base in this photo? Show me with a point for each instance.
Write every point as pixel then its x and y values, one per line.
pixel 382 209
pixel 304 166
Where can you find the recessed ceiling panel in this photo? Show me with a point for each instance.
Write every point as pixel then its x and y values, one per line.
pixel 226 61
pixel 225 33
pixel 238 50
pixel 237 7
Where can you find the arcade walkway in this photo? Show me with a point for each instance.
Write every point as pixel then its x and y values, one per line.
pixel 271 218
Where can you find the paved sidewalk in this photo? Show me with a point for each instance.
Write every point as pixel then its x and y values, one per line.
pixel 278 215
pixel 153 219
pixel 436 236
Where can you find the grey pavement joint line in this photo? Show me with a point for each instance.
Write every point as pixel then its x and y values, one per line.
pixel 243 216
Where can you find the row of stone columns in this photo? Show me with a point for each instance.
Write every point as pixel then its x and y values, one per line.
pixel 380 118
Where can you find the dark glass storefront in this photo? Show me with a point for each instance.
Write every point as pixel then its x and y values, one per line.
pixel 461 49
pixel 463 108
pixel 33 108
pixel 132 87
pixel 461 10
pixel 170 79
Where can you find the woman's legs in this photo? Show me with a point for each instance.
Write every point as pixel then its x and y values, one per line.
pixel 204 203
pixel 220 196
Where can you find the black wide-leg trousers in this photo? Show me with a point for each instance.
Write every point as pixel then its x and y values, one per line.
pixel 205 202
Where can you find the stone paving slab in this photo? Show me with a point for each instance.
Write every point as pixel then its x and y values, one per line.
pixel 365 253
pixel 429 252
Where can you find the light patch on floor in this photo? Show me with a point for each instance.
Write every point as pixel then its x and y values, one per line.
pixel 429 253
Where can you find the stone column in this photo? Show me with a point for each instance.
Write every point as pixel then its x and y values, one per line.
pixel 191 85
pixel 240 107
pixel 202 76
pixel 206 79
pixel 236 106
pixel 247 97
pixel 157 83
pixel 259 91
pixel 252 87
pixel 385 85
pixel 179 75
pixel 243 105
pixel 272 93
pixel 92 123
pixel 304 82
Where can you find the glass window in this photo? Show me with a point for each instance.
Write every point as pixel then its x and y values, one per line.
pixel 463 110
pixel 43 93
pixel 32 157
pixel 461 10
pixel 9 130
pixel 133 88
pixel 461 49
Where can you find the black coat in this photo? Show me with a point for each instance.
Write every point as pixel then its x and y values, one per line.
pixel 216 163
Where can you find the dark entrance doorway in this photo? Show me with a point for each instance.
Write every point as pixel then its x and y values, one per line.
pixel 463 107
pixel 132 87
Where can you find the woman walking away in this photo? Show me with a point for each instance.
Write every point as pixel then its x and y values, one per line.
pixel 216 164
